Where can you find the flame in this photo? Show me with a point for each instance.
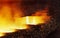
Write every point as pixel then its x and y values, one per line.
pixel 10 21
pixel 39 17
pixel 34 20
pixel 2 34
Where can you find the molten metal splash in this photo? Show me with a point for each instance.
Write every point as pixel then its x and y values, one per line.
pixel 10 22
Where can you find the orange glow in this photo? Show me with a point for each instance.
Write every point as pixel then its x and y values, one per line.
pixel 2 34
pixel 34 20
pixel 40 17
pixel 10 21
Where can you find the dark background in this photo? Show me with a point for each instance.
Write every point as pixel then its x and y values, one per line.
pixel 31 6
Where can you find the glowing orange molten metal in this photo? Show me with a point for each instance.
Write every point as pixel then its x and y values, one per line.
pixel 10 22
